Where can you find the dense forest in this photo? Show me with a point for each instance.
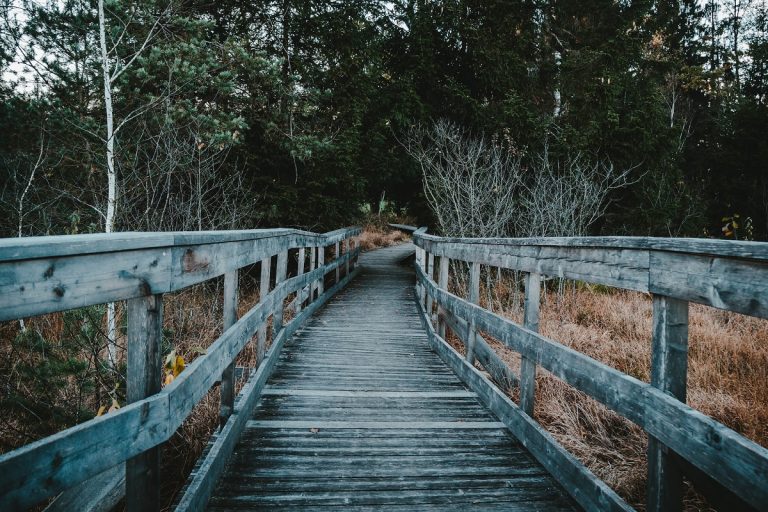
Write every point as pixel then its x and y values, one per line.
pixel 158 115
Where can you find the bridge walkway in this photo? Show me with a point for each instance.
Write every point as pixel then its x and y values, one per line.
pixel 360 413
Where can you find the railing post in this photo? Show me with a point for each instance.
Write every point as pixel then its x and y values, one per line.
pixel 669 369
pixel 227 401
pixel 420 264
pixel 321 263
pixel 430 273
pixel 261 339
pixel 530 322
pixel 312 266
pixel 353 245
pixel 442 283
pixel 336 257
pixel 474 298
pixel 346 251
pixel 281 270
pixel 145 327
pixel 299 271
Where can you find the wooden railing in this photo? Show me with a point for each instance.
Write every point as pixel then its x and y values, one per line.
pixel 48 274
pixel 723 274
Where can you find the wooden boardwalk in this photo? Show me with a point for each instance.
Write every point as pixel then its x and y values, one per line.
pixel 360 413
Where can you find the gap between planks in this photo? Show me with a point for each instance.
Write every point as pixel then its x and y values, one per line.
pixel 377 425
pixel 372 394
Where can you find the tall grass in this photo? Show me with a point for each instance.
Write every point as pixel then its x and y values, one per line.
pixel 728 372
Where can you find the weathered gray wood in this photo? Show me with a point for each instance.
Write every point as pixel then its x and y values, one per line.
pixel 203 480
pixel 730 284
pixel 144 368
pixel 430 272
pixel 261 338
pixel 733 460
pixel 320 264
pixel 301 261
pixel 359 410
pixel 583 486
pixel 46 274
pixel 228 376
pixel 312 266
pixel 492 363
pixel 50 465
pixel 336 255
pixel 445 265
pixel 101 493
pixel 474 298
pixel 280 272
pixel 530 322
pixel 669 371
pixel 707 272
pixel 346 250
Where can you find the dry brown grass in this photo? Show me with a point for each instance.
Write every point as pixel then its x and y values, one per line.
pixel 377 235
pixel 728 371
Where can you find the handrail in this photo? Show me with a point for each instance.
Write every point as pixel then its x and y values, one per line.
pixel 50 465
pixel 728 275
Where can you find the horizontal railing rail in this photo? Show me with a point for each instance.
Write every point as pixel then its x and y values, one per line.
pixel 726 275
pixel 48 274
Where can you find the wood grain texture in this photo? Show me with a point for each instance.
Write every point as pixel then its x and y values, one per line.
pixel 144 375
pixel 736 462
pixel 45 274
pixel 359 412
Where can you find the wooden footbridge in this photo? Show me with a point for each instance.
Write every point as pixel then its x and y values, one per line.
pixel 358 401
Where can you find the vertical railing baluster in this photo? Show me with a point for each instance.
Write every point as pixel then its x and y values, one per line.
pixel 261 339
pixel 430 273
pixel 302 258
pixel 320 264
pixel 312 266
pixel 530 322
pixel 346 251
pixel 227 401
pixel 336 257
pixel 442 283
pixel 280 272
pixel 145 327
pixel 474 298
pixel 669 370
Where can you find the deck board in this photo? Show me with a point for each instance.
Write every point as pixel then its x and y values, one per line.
pixel 360 413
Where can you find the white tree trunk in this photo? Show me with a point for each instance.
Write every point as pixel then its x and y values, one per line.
pixel 109 224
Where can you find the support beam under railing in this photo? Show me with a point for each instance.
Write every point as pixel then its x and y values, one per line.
pixel 145 327
pixel 530 322
pixel 669 371
pixel 227 404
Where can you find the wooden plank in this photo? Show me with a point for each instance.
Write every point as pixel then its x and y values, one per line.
pixel 474 298
pixel 622 268
pixel 301 261
pixel 312 266
pixel 201 483
pixel 46 274
pixel 280 272
pixel 227 389
pixel 430 272
pixel 724 248
pixel 375 424
pixel 669 371
pixel 38 286
pixel 261 339
pixel 583 486
pixel 336 255
pixel 101 493
pixel 144 367
pixel 733 285
pixel 499 371
pixel 48 466
pixel 445 265
pixel 733 460
pixel 321 264
pixel 531 322
pixel 346 250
